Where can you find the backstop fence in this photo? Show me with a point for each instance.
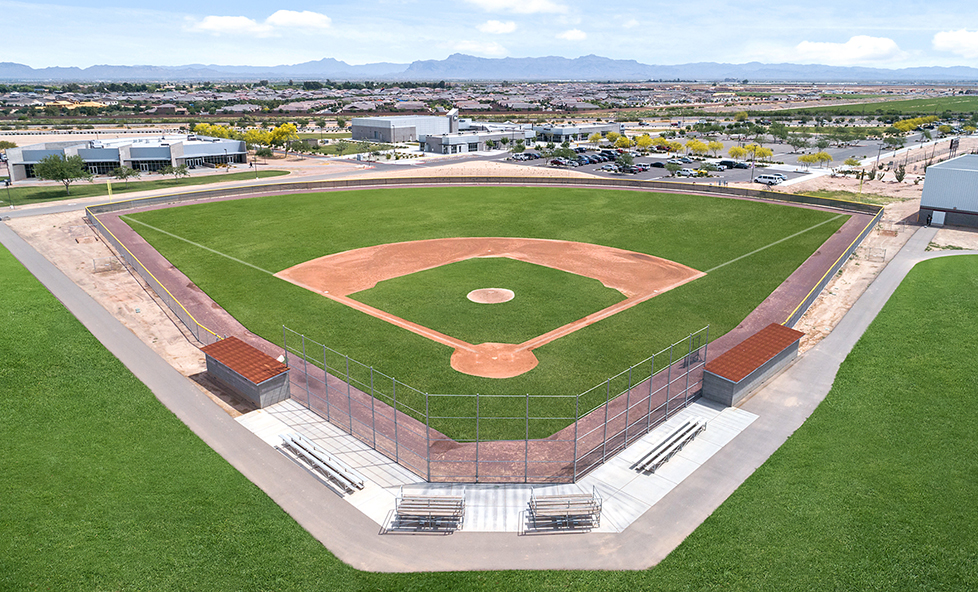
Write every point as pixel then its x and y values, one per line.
pixel 518 438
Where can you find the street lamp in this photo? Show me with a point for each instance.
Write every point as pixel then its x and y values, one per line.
pixel 878 152
pixel 226 163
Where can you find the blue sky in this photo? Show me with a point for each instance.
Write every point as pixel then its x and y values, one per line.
pixel 895 34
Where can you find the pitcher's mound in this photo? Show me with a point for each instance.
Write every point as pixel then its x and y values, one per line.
pixel 491 295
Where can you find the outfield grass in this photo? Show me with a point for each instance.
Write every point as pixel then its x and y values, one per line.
pixel 545 299
pixel 278 232
pixel 325 136
pixel 28 195
pixel 104 489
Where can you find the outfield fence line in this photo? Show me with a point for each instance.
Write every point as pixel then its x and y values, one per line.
pixel 201 333
pixel 517 438
pixel 809 298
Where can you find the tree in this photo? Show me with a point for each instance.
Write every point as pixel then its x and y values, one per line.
pixel 807 160
pixel 66 170
pixel 894 142
pixel 715 147
pixel 125 173
pixel 490 144
pixel 779 131
pixel 4 145
pixel 822 157
pixel 625 159
pixel 741 116
pixel 340 123
pixel 737 152
pixel 643 142
pixel 623 142
pixel 673 168
pixel 822 143
pixel 697 147
pixel 612 136
pixel 674 146
pixel 797 142
pixel 282 135
pixel 852 162
pixel 519 147
pixel 594 138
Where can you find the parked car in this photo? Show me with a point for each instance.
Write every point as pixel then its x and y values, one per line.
pixel 674 161
pixel 767 179
pixel 658 164
pixel 687 173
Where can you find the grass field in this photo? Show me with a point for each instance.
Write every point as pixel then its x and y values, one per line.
pixel 546 299
pixel 278 232
pixel 28 195
pixel 932 106
pixel 873 492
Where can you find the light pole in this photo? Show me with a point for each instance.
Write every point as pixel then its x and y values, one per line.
pixel 226 163
pixel 878 152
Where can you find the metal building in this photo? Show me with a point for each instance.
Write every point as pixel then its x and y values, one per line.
pixel 951 193
pixel 404 128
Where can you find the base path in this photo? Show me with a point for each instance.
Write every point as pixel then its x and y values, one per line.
pixel 636 275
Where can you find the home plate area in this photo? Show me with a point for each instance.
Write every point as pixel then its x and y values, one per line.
pixel 624 489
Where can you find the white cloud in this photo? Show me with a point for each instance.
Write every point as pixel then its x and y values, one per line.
pixel 520 6
pixel 477 48
pixel 231 24
pixel 630 23
pixel 280 21
pixel 497 27
pixel 962 42
pixel 304 19
pixel 858 50
pixel 572 35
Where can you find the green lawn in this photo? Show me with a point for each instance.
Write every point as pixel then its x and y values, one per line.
pixel 104 489
pixel 699 231
pixel 28 195
pixel 325 136
pixel 545 299
pixel 932 106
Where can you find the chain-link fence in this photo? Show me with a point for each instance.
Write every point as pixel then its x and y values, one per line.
pixel 521 438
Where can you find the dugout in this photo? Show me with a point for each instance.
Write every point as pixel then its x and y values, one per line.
pixel 735 374
pixel 950 193
pixel 248 372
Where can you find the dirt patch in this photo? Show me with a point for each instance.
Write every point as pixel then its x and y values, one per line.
pixel 490 295
pixel 954 239
pixel 636 275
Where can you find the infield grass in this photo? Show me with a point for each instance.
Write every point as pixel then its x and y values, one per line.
pixel 703 232
pixel 104 489
pixel 544 299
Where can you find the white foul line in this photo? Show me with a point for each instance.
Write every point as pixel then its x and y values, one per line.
pixel 774 243
pixel 170 234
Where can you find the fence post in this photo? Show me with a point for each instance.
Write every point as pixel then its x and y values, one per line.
pixel 607 402
pixel 285 344
pixel 628 402
pixel 689 355
pixel 373 411
pixel 526 443
pixel 648 416
pixel 577 417
pixel 397 457
pixel 349 398
pixel 427 434
pixel 305 372
pixel 477 437
pixel 669 379
pixel 326 383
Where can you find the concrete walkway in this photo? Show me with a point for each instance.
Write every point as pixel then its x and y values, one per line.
pixel 781 406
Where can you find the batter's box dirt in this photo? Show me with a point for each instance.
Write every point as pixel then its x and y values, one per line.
pixel 637 276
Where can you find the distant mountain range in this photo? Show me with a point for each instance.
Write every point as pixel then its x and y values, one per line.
pixel 465 67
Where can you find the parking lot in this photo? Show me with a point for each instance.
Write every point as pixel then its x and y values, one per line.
pixel 657 171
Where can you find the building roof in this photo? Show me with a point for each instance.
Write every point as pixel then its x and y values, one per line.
pixel 965 162
pixel 245 359
pixel 753 352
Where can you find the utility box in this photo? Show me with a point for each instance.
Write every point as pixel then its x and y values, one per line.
pixel 248 372
pixel 738 372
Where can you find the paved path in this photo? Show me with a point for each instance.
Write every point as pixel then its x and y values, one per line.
pixel 782 406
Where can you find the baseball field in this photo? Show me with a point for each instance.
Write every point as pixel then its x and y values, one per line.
pixel 738 253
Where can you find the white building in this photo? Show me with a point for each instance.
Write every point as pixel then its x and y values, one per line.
pixel 950 194
pixel 403 128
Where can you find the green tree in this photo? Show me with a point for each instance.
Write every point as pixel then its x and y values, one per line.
pixel 673 168
pixel 715 147
pixel 822 157
pixel 625 159
pixel 643 142
pixel 797 142
pixel 66 170
pixel 822 143
pixel 807 160
pixel 612 137
pixel 894 142
pixel 125 173
pixel 340 123
pixel 4 145
pixel 623 142
pixel 737 152
pixel 594 138
pixel 697 147
pixel 852 162
pixel 741 116
pixel 779 131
